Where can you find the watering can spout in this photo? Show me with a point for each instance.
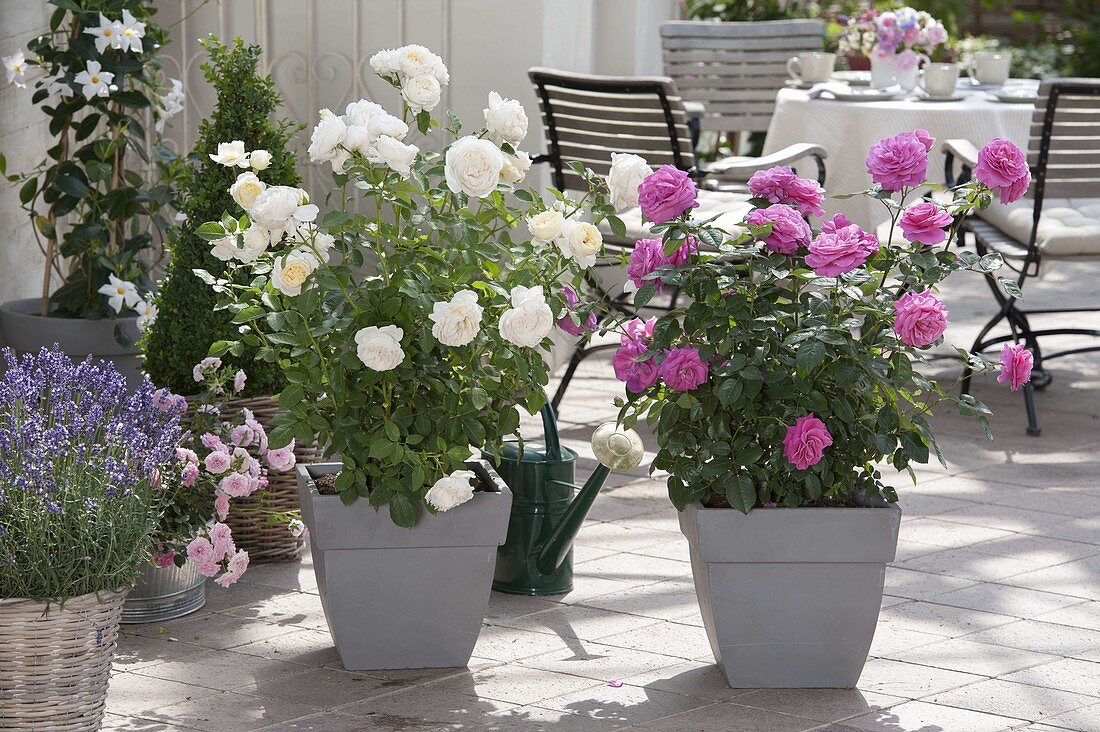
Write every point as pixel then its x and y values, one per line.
pixel 616 449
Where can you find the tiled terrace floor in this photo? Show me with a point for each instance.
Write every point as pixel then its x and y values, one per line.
pixel 991 618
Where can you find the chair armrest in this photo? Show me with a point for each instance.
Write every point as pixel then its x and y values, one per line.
pixel 741 168
pixel 694 110
pixel 967 155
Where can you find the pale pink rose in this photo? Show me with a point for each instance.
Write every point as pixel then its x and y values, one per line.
pixel 921 318
pixel 281 459
pixel 233 571
pixel 297 528
pixel 201 552
pixel 805 441
pixel 1003 167
pixel 221 536
pixel 235 485
pixel 1016 364
pixel 213 442
pixel 925 223
pixel 666 193
pixel 187 456
pixel 190 474
pixel 217 462
pixel 242 435
pixel 243 460
pixel 221 506
pixel 238 381
pixel 164 559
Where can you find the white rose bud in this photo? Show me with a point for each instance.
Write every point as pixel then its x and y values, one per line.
pixel 246 189
pixel 451 490
pixel 380 348
pixel 231 154
pixel 515 167
pixel 290 271
pixel 327 135
pixel 530 318
pixel 395 155
pixel 546 226
pixel 421 93
pixel 361 112
pixel 473 166
pixel 259 159
pixel 505 120
pixel 626 174
pixel 458 321
pixel 580 242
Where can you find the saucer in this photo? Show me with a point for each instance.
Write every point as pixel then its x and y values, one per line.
pixel 1016 96
pixel 864 95
pixel 796 84
pixel 855 78
pixel 930 98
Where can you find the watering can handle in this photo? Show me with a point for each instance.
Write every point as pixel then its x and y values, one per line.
pixel 550 433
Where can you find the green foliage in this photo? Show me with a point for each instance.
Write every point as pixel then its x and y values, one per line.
pixel 187 323
pixel 99 200
pixel 734 10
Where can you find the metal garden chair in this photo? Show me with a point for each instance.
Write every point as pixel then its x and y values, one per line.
pixel 1059 219
pixel 587 118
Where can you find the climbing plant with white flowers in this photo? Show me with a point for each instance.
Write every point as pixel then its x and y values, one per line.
pixel 413 332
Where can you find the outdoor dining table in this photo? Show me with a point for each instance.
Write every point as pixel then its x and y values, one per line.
pixel 848 129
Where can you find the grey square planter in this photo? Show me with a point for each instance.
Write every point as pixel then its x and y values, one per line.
pixel 404 598
pixel 790 596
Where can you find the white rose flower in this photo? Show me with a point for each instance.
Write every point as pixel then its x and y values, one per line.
pixel 421 93
pixel 415 60
pixel 439 71
pixel 458 321
pixel 386 124
pixel 505 120
pixel 386 62
pixel 282 208
pixel 255 241
pixel 515 167
pixel 626 174
pixel 246 189
pixel 580 242
pixel 530 318
pixel 327 135
pixel 290 271
pixel 473 166
pixel 225 248
pixel 546 226
pixel 308 233
pixel 451 490
pixel 357 139
pixel 231 154
pixel 359 113
pixel 380 348
pixel 395 155
pixel 259 159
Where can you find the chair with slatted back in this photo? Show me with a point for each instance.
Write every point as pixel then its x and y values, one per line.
pixel 735 69
pixel 1058 220
pixel 587 118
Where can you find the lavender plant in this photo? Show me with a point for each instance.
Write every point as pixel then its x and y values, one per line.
pixel 80 465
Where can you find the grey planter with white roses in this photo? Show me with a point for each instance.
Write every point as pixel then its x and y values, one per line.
pixel 404 598
pixel 790 596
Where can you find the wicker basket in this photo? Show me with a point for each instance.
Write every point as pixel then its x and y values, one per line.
pixel 251 531
pixel 55 660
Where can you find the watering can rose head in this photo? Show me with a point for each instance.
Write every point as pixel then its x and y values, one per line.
pixel 791 376
pixel 439 345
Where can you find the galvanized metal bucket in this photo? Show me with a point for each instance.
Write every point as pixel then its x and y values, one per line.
pixel 164 593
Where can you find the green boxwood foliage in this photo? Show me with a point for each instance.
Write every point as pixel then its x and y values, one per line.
pixel 187 323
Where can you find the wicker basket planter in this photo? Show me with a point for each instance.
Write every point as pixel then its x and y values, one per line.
pixel 251 530
pixel 55 661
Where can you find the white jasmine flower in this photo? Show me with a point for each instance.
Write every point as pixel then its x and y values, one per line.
pixel 579 241
pixel 327 135
pixel 131 33
pixel 282 209
pixel 473 166
pixel 421 93
pixel 451 490
pixel 458 321
pixel 56 86
pixel 119 293
pixel 626 174
pixel 361 112
pixel 16 66
pixel 379 348
pixel 395 155
pixel 171 103
pixel 96 82
pixel 246 189
pixel 231 154
pixel 147 313
pixel 109 33
pixel 505 120
pixel 529 320
pixel 515 167
pixel 546 225
pixel 260 160
pixel 290 271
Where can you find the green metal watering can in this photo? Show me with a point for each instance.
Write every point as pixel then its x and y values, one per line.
pixel 537 556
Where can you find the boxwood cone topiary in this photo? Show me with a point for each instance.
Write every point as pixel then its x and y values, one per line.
pixel 187 323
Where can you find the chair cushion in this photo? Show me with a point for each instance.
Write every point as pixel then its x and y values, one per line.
pixel 733 207
pixel 1069 227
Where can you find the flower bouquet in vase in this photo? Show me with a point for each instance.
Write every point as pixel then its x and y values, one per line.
pixel 789 387
pixel 399 372
pixel 896 41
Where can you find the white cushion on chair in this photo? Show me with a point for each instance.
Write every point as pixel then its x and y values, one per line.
pixel 733 207
pixel 1068 227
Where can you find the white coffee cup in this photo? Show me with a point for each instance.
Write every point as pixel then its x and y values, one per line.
pixel 990 67
pixel 811 67
pixel 939 80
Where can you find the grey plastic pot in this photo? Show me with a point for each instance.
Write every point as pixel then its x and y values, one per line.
pixel 25 331
pixel 404 598
pixel 790 596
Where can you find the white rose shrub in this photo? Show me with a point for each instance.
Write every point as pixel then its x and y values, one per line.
pixel 411 318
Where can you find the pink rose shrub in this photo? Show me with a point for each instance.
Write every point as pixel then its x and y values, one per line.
pixel 805 441
pixel 649 255
pixel 566 323
pixel 1016 364
pixel 925 223
pixel 666 193
pixel 840 248
pixel 781 185
pixel 633 363
pixel 921 318
pixel 1003 167
pixel 683 369
pixel 789 230
pixel 900 161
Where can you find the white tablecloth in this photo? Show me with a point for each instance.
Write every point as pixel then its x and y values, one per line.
pixel 848 129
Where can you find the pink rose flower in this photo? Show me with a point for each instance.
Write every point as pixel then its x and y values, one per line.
pixel 1016 365
pixel 221 536
pixel 925 223
pixel 566 323
pixel 281 459
pixel 781 185
pixel 201 552
pixel 187 456
pixel 840 250
pixel 639 330
pixel 164 559
pixel 258 431
pixel 297 528
pixel 900 161
pixel 639 375
pixel 190 474
pixel 805 441
pixel 682 256
pixel 221 506
pixel 921 318
pixel 789 229
pixel 212 442
pixel 217 462
pixel 666 193
pixel 646 256
pixel 238 380
pixel 235 485
pixel 242 435
pixel 1003 167
pixel 233 571
pixel 840 224
pixel 683 369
